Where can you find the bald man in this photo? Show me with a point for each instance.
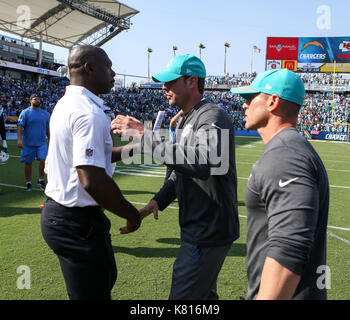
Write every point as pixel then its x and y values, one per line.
pixel 287 195
pixel 80 184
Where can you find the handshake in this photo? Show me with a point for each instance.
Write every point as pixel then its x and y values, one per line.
pixel 127 125
pixel 130 126
pixel 131 226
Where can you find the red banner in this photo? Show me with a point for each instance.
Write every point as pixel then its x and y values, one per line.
pixel 282 48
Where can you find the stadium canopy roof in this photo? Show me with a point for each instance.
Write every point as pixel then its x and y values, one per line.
pixel 65 23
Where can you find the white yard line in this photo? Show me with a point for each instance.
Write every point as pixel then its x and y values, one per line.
pixel 337 237
pixel 176 208
pixel 20 187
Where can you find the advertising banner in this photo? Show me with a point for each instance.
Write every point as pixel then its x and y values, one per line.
pixel 12 65
pixel 341 49
pixel 334 136
pixel 314 50
pixel 309 54
pixel 282 48
pixel 290 65
pixel 273 64
pixel 310 67
pixel 339 67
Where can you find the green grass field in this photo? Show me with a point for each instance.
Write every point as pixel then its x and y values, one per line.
pixel 145 258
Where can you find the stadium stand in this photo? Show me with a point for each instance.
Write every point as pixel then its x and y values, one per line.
pixel 317 114
pixel 90 22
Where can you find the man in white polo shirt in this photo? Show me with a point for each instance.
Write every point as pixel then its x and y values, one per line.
pixel 80 184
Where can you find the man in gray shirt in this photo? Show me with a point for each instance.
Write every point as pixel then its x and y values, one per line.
pixel 203 179
pixel 287 195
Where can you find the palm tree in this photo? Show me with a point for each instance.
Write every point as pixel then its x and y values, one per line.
pixel 226 45
pixel 149 50
pixel 201 47
pixel 174 49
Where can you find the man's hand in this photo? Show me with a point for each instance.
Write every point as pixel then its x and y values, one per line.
pixel 20 144
pixel 131 226
pixel 127 126
pixel 152 206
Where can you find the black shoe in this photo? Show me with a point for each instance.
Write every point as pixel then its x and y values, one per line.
pixel 42 185
pixel 29 186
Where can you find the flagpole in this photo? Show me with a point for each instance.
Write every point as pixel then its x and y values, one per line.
pixel 251 62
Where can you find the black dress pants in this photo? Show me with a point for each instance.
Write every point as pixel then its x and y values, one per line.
pixel 81 240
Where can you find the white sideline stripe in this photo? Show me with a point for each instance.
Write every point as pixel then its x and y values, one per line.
pixel 331 160
pixel 171 207
pixel 142 203
pixel 139 174
pixel 142 171
pixel 20 187
pixel 240 154
pixel 157 176
pixel 340 187
pixel 339 228
pixel 338 170
pixel 242 216
pixel 339 238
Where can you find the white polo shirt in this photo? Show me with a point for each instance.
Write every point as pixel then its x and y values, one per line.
pixel 79 135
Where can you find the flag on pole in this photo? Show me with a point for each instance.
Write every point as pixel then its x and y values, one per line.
pixel 256 49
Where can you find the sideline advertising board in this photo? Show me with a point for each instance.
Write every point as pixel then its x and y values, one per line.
pixel 309 54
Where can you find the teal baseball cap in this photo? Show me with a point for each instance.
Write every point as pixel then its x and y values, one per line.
pixel 285 83
pixel 186 65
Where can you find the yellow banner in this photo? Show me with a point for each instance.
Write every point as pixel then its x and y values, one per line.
pixel 339 67
pixel 290 65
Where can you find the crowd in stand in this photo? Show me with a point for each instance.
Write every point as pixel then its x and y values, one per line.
pixel 324 79
pixel 317 114
pixel 14 94
pixel 239 79
pixel 309 79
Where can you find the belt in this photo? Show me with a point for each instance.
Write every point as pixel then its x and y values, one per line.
pixel 95 208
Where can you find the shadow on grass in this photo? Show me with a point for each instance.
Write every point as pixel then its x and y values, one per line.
pixel 10 211
pixel 145 252
pixel 130 192
pixel 237 250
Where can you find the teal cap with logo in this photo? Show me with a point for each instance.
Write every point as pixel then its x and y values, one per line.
pixel 186 65
pixel 285 83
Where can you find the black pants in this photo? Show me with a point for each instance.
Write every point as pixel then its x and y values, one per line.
pixel 195 272
pixel 168 173
pixel 81 240
pixel 2 128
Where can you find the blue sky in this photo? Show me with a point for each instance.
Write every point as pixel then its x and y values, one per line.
pixel 161 24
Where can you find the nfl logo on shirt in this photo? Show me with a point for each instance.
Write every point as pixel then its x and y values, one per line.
pixel 89 152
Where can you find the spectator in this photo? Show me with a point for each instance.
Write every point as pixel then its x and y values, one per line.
pixel 318 112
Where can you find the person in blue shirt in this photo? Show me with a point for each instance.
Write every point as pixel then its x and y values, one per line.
pixel 33 128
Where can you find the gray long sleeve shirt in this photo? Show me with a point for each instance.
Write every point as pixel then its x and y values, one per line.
pixel 204 178
pixel 287 199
